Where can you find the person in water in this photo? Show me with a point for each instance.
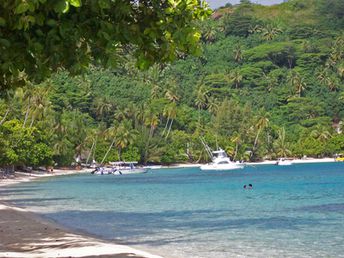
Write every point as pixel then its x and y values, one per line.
pixel 250 186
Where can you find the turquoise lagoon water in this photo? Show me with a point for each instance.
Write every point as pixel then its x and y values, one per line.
pixel 292 211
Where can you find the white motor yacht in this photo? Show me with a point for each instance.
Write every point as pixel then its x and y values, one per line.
pixel 220 161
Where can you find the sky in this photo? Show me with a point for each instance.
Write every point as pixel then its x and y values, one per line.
pixel 217 3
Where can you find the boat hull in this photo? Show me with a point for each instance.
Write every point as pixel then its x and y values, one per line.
pixel 219 167
pixel 285 163
pixel 130 171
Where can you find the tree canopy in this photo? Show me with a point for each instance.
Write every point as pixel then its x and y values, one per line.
pixel 38 36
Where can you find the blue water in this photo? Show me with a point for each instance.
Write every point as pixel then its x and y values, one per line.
pixel 292 211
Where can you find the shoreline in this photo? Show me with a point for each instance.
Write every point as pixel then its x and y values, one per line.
pixel 295 161
pixel 26 234
pixel 265 162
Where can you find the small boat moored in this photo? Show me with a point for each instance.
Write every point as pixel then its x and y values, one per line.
pixel 284 162
pixel 119 168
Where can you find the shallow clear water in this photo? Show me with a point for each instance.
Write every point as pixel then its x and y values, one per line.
pixel 292 211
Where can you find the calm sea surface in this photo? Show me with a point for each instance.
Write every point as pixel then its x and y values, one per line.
pixel 292 211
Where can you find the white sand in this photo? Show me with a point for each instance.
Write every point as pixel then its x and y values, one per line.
pixel 295 161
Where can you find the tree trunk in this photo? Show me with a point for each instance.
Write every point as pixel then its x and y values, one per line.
pixel 26 114
pixel 256 140
pixel 168 120
pixel 169 129
pixel 32 120
pixel 4 118
pixel 236 151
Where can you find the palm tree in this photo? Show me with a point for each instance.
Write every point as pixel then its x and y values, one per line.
pixel 322 75
pixel 337 52
pixel 151 120
pixel 40 103
pixel 297 83
pixel 340 71
pixel 236 139
pixel 271 81
pixel 9 102
pixel 281 146
pixel 208 33
pixel 236 77
pixel 122 114
pixel 212 105
pixel 125 135
pixel 320 133
pixel 201 97
pixel 170 109
pixel 261 124
pixel 332 83
pixel 330 80
pixel 103 106
pixel 201 100
pixel 25 95
pixel 122 135
pixel 155 91
pixel 255 29
pixel 59 137
pixel 172 114
pixel 171 95
pixel 77 132
pixel 269 32
pixel 237 53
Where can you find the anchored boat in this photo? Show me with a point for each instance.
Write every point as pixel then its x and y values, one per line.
pixel 119 168
pixel 220 160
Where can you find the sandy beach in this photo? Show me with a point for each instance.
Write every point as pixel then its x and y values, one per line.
pixel 294 161
pixel 265 162
pixel 25 234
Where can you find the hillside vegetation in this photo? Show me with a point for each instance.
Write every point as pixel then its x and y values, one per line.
pixel 269 84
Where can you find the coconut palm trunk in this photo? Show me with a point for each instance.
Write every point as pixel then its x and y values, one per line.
pixel 26 114
pixel 256 139
pixel 5 116
pixel 32 121
pixel 169 129
pixel 166 125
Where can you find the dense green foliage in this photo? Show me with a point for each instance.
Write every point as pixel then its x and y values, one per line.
pixel 38 36
pixel 270 83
